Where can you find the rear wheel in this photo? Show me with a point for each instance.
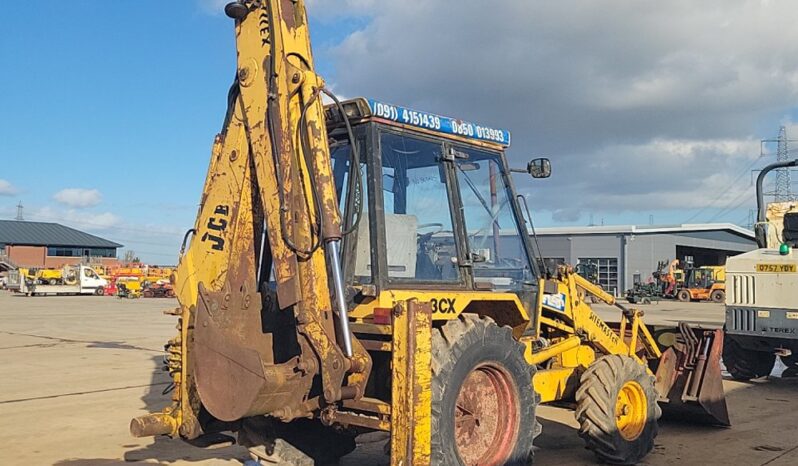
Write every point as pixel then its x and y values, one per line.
pixel 718 296
pixel 617 410
pixel 483 401
pixel 645 301
pixel 745 364
pixel 683 296
pixel 792 366
pixel 52 281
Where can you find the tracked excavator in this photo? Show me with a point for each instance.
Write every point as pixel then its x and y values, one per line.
pixel 366 267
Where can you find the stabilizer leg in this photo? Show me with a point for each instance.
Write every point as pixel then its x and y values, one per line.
pixel 411 406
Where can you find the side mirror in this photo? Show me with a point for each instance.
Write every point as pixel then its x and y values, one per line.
pixel 539 168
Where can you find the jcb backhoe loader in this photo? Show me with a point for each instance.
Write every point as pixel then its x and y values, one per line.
pixel 367 267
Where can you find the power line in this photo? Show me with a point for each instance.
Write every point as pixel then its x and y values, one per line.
pixel 731 206
pixel 783 189
pixel 722 193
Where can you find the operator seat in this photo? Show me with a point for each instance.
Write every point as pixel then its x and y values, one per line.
pixel 790 231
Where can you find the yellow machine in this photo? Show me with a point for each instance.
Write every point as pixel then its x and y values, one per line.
pixel 705 283
pixel 51 276
pixel 366 267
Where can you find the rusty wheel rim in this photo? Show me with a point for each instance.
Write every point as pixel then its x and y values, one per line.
pixel 486 416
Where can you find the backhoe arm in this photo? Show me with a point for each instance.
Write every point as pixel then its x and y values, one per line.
pixel 249 345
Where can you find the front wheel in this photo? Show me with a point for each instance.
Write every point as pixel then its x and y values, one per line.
pixel 718 296
pixel 683 296
pixel 483 401
pixel 617 410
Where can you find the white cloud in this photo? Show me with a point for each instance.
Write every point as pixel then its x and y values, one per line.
pixel 79 219
pixel 337 8
pixel 6 188
pixel 640 105
pixel 78 197
pixel 213 7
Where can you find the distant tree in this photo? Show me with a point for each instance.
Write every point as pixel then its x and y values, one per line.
pixel 130 257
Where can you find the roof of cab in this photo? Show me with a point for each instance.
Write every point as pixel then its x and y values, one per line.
pixel 362 108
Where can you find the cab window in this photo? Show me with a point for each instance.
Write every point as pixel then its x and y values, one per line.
pixel 417 212
pixel 496 250
pixel 359 206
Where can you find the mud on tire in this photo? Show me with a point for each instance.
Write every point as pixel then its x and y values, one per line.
pixel 472 424
pixel 745 364
pixel 598 400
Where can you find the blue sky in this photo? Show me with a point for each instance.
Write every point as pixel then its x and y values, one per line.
pixel 108 109
pixel 124 99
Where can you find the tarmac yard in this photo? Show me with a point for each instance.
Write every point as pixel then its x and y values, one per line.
pixel 75 370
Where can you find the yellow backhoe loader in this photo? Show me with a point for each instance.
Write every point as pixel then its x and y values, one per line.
pixel 367 267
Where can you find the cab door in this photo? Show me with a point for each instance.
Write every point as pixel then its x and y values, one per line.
pixel 495 238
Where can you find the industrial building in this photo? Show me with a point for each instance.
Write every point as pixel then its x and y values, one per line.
pixel 50 245
pixel 630 253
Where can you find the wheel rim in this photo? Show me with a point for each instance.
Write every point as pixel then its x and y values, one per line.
pixel 486 416
pixel 630 410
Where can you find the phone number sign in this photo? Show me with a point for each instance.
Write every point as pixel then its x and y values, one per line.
pixel 439 123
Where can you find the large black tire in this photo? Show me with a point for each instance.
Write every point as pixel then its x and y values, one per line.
pixel 792 365
pixel 615 437
pixel 473 352
pixel 718 296
pixel 745 364
pixel 683 296
pixel 325 445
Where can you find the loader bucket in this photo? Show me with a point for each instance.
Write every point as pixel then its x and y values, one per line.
pixel 688 378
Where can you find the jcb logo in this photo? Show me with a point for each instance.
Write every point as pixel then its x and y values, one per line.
pixel 443 305
pixel 216 227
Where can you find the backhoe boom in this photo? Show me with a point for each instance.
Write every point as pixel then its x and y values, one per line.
pixel 268 210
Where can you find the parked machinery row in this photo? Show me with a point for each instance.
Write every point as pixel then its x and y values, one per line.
pixel 689 283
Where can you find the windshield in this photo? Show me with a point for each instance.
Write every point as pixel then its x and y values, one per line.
pixel 497 251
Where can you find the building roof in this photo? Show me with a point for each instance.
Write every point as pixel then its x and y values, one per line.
pixel 20 232
pixel 645 229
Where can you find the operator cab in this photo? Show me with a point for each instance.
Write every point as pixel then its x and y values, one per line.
pixel 437 207
pixel 790 229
